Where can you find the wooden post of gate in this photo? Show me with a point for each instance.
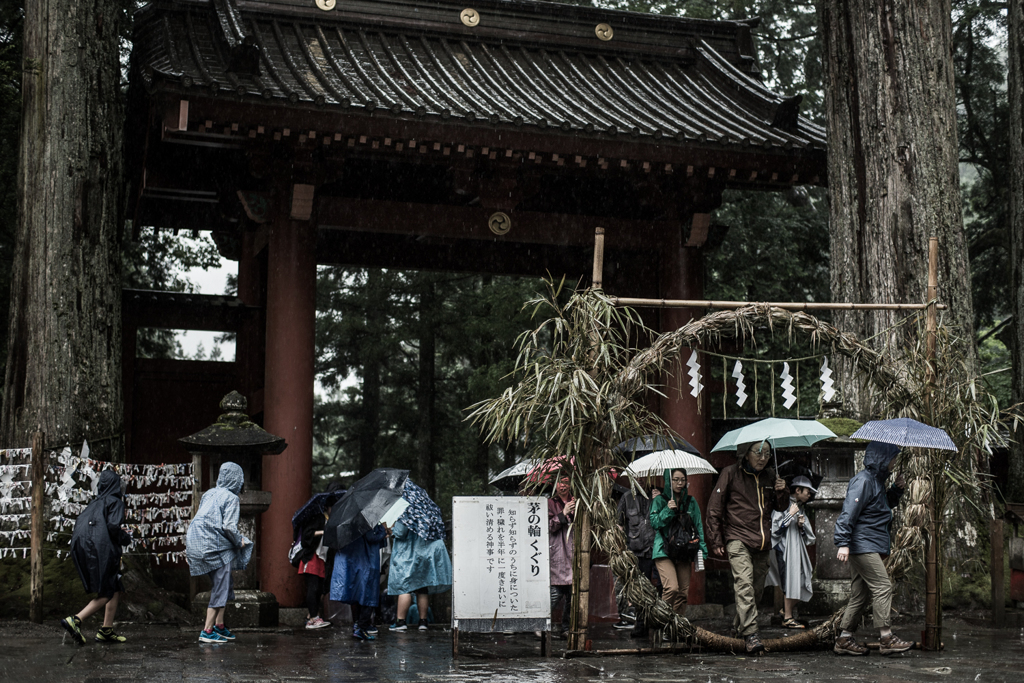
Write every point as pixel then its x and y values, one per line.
pixel 998 593
pixel 598 258
pixel 35 605
pixel 197 485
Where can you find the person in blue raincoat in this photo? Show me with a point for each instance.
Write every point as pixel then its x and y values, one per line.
pixel 419 560
pixel 355 579
pixel 214 547
pixel 862 536
pixel 96 551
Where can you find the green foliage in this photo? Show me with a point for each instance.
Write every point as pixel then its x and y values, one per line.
pixel 841 426
pixel 979 60
pixel 11 18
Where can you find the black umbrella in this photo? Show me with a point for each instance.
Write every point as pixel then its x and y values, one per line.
pixel 650 443
pixel 363 506
pixel 314 506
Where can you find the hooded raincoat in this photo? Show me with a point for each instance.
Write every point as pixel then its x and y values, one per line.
pixel 662 516
pixel 213 539
pixel 792 538
pixel 863 525
pixel 419 558
pixel 97 538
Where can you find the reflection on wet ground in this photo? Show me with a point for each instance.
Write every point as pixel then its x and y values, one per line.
pixel 166 653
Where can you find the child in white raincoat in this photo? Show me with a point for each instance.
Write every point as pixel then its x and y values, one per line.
pixel 790 564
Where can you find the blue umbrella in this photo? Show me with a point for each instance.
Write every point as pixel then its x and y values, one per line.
pixel 903 431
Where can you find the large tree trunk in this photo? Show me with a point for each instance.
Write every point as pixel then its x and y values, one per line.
pixel 893 169
pixel 63 371
pixel 1016 93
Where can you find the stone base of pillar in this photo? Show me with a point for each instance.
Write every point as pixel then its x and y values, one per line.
pixel 249 609
pixel 829 596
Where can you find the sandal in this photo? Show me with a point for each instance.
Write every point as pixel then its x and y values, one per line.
pixel 792 623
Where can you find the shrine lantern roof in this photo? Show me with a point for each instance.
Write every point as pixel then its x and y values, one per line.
pixel 521 67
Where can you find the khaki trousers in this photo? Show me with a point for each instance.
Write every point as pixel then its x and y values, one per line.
pixel 870 582
pixel 749 570
pixel 675 580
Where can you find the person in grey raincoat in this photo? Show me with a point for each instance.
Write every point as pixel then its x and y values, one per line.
pixel 862 538
pixel 214 547
pixel 791 568
pixel 96 551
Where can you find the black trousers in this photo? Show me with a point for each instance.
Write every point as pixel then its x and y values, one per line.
pixel 314 594
pixel 362 616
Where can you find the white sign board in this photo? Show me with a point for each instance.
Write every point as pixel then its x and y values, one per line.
pixel 500 558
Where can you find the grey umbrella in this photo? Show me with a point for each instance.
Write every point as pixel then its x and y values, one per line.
pixel 903 431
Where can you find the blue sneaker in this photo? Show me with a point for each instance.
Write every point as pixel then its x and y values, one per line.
pixel 360 634
pixel 223 632
pixel 211 637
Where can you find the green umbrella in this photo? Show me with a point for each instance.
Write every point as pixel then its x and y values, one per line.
pixel 777 431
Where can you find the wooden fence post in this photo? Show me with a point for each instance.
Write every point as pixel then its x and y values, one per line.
pixel 35 605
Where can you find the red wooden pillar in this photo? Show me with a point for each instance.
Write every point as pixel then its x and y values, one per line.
pixel 682 277
pixel 288 396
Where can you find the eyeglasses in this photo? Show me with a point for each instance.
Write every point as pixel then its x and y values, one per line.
pixel 681 480
pixel 761 455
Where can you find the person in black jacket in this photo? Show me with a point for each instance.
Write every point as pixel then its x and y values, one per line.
pixel 634 519
pixel 96 551
pixel 312 558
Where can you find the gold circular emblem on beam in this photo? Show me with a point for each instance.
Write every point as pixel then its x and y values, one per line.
pixel 326 5
pixel 470 17
pixel 499 223
pixel 604 31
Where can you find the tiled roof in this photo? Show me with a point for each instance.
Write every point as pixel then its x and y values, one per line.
pixel 292 55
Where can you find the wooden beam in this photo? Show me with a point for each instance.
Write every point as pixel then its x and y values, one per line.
pixel 470 223
pixel 35 605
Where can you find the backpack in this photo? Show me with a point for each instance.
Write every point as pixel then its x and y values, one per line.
pixel 681 538
pixel 295 553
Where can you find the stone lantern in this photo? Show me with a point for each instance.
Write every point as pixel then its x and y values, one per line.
pixel 235 438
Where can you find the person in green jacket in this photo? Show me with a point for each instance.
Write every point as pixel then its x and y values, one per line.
pixel 673 501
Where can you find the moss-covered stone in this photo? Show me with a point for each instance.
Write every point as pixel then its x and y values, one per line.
pixel 841 426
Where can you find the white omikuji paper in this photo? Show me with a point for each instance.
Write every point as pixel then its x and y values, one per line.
pixel 394 512
pixel 500 558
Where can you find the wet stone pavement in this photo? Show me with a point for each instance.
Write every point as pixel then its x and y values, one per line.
pixel 158 653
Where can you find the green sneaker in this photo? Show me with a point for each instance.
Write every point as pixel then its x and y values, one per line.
pixel 73 625
pixel 107 635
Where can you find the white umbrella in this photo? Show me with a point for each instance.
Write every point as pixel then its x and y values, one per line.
pixel 509 479
pixel 656 463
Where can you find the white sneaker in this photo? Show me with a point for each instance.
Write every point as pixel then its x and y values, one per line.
pixel 423 625
pixel 317 622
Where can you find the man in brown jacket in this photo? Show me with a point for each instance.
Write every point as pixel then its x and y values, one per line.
pixel 740 525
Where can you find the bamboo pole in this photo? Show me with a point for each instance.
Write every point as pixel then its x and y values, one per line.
pixel 598 258
pixel 580 605
pixel 787 305
pixel 35 605
pixel 933 604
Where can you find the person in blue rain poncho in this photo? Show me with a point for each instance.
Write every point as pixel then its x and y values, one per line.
pixel 419 561
pixel 862 536
pixel 96 551
pixel 356 579
pixel 214 547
